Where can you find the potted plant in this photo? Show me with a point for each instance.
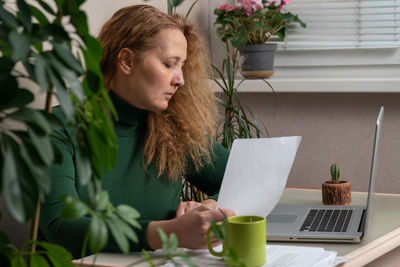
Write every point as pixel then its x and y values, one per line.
pixel 49 46
pixel 248 26
pixel 335 191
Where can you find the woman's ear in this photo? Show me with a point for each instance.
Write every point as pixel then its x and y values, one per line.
pixel 126 60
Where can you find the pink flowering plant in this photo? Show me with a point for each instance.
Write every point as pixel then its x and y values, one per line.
pixel 253 21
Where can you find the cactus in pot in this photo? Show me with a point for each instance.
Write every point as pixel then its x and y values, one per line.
pixel 335 173
pixel 336 191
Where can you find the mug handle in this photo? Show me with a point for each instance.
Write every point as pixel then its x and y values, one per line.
pixel 210 248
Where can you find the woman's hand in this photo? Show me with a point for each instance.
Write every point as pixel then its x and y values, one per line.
pixel 193 226
pixel 190 228
pixel 185 207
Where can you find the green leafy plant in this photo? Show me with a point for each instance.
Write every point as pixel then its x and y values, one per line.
pixel 335 173
pixel 239 120
pixel 253 22
pixel 170 251
pixel 50 46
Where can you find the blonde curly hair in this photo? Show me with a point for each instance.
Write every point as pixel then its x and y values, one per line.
pixel 185 130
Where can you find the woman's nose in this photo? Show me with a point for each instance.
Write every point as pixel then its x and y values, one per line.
pixel 178 79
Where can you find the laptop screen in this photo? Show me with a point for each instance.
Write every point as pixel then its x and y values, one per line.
pixel 374 165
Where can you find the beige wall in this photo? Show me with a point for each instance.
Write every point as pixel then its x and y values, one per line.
pixel 335 127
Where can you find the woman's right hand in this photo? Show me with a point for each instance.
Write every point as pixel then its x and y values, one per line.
pixel 190 228
pixel 193 226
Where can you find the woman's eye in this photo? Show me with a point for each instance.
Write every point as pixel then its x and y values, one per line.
pixel 168 65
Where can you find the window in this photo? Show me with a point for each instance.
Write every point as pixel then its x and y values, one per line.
pixel 338 24
pixel 348 46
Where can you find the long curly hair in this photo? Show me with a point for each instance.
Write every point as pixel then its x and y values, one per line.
pixel 185 130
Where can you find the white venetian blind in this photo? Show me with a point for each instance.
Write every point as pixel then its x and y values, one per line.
pixel 344 24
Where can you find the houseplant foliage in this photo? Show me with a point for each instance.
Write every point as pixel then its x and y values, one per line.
pixel 248 26
pixel 49 45
pixel 254 21
pixel 239 120
pixel 336 191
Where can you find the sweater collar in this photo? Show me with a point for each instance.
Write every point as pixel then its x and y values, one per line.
pixel 128 115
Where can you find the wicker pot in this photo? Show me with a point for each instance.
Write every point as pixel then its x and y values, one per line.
pixel 336 194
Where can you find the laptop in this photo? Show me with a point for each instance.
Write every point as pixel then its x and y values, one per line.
pixel 320 223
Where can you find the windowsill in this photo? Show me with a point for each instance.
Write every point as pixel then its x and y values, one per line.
pixel 320 85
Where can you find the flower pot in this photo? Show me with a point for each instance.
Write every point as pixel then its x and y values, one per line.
pixel 257 60
pixel 336 194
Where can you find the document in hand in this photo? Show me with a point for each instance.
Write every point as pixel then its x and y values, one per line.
pixel 256 174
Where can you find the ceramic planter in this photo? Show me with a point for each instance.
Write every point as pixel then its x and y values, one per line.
pixel 336 194
pixel 257 61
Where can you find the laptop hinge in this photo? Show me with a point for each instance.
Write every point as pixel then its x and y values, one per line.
pixel 362 224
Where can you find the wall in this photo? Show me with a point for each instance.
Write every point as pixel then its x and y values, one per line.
pixel 336 127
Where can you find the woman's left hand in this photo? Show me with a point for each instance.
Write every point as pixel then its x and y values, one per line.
pixel 185 207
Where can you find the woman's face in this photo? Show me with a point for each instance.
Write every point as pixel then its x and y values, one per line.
pixel 150 82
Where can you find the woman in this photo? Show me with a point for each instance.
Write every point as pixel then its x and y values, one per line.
pixel 155 70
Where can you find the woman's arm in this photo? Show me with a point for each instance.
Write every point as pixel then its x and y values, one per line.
pixel 209 178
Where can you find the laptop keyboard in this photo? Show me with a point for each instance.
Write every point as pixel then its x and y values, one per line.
pixel 327 220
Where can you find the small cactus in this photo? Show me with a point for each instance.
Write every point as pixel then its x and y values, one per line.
pixel 335 173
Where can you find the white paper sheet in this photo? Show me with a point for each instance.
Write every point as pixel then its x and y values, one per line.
pixel 256 174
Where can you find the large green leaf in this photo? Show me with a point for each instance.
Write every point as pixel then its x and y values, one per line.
pixel 41 18
pixel 40 72
pixel 11 188
pixel 70 76
pixel 63 97
pixel 83 166
pixel 74 208
pixel 18 261
pixel 176 3
pixel 98 234
pixel 35 167
pixel 118 234
pixel 8 87
pixel 56 31
pixel 20 191
pixel 65 54
pixel 128 214
pixel 7 17
pixel 93 54
pixel 46 7
pixel 38 261
pixel 25 14
pixel 32 117
pixel 102 201
pixel 79 20
pixel 20 45
pixel 59 256
pixel 92 82
pixel 21 98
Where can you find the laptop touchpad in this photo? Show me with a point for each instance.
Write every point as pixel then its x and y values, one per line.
pixel 281 218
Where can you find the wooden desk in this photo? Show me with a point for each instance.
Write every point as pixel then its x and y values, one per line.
pixel 382 237
pixel 383 234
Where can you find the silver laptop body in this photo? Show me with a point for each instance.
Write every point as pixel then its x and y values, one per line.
pixel 325 223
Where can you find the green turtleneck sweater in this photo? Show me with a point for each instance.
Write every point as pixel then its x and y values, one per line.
pixel 128 183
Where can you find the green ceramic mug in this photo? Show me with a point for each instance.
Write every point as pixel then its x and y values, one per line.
pixel 246 235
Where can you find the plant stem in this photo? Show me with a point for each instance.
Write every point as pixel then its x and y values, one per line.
pixel 35 220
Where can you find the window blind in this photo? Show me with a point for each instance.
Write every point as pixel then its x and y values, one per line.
pixel 343 24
